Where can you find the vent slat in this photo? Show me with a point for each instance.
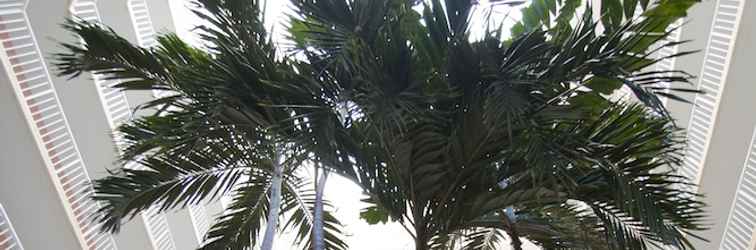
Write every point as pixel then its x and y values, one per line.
pixel 158 229
pixel 712 81
pixel 741 221
pixel 117 109
pixel 46 119
pixel 8 238
pixel 200 220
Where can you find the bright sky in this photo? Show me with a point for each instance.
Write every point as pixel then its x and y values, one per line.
pixel 342 193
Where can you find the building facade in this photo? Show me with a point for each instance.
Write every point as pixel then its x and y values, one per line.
pixel 720 124
pixel 56 136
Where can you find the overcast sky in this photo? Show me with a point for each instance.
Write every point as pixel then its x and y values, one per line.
pixel 341 192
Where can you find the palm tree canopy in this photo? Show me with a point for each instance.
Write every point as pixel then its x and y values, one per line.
pixel 228 107
pixel 454 137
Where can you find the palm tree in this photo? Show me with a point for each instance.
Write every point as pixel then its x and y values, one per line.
pixel 464 141
pixel 240 119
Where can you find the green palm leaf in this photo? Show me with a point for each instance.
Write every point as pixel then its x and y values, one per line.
pixel 239 226
pixel 460 140
pixel 299 201
pixel 169 182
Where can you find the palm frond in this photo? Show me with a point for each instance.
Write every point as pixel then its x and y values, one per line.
pixel 168 182
pixel 299 202
pixel 106 53
pixel 626 173
pixel 484 239
pixel 239 227
pixel 450 136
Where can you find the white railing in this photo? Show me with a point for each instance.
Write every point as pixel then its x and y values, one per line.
pixel 200 221
pixel 85 9
pixel 712 82
pixel 146 37
pixel 741 221
pixel 143 27
pixel 145 31
pixel 669 63
pixel 157 228
pixel 8 238
pixel 28 74
pixel 117 111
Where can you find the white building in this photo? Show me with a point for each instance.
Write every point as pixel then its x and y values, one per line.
pixel 55 134
pixel 721 154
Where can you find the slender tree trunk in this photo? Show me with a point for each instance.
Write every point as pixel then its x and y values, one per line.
pixel 317 224
pixel 511 229
pixel 421 232
pixel 514 237
pixel 516 242
pixel 275 202
pixel 421 244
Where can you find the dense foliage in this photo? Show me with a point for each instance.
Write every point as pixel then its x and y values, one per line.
pixel 464 139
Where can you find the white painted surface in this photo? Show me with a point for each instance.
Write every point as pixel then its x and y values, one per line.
pixel 712 81
pixel 8 238
pixel 39 101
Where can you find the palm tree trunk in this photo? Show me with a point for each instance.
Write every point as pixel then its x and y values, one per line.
pixel 516 242
pixel 511 229
pixel 275 202
pixel 317 229
pixel 514 237
pixel 421 233
pixel 421 244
